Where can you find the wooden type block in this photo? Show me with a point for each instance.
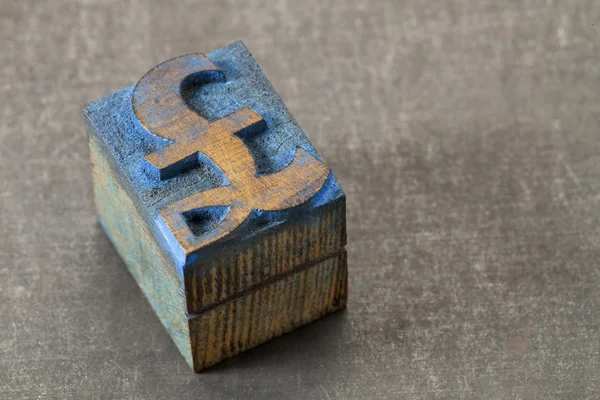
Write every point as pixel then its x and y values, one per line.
pixel 226 216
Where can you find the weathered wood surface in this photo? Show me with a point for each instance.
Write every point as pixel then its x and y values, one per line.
pixel 159 105
pixel 277 252
pixel 269 311
pixel 242 255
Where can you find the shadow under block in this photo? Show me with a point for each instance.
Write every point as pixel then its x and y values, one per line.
pixel 224 213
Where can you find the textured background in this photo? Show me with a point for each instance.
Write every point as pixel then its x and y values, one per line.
pixel 466 135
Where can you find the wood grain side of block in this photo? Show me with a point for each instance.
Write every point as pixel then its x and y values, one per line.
pixel 150 266
pixel 278 251
pixel 268 312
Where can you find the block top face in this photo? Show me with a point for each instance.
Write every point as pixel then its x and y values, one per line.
pixel 211 152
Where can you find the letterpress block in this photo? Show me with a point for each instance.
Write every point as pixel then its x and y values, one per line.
pixel 226 216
